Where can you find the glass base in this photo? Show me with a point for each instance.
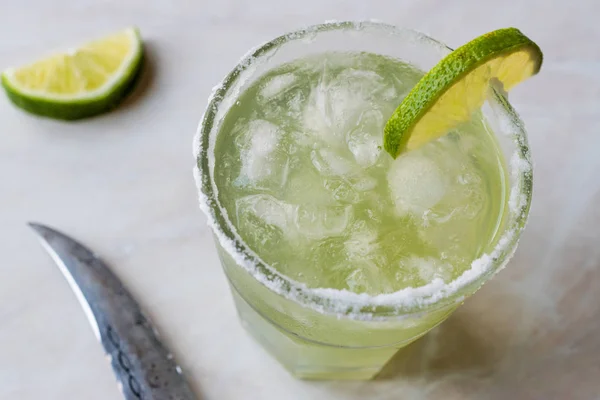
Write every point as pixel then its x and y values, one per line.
pixel 307 359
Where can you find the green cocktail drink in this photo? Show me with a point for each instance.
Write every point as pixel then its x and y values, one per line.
pixel 337 254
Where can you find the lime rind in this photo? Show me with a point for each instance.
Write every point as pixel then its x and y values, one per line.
pixel 450 71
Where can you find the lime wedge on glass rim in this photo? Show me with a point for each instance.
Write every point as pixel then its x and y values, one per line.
pixel 458 85
pixel 79 83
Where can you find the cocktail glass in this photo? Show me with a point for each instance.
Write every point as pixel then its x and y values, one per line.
pixel 332 334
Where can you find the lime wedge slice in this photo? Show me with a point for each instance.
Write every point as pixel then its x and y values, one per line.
pixel 79 83
pixel 458 85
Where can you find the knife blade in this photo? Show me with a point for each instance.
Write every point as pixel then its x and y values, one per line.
pixel 144 367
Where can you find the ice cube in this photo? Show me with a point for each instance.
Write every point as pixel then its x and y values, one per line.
pixel 430 268
pixel 366 139
pixel 263 141
pixel 319 117
pixel 362 76
pixel 342 190
pixel 277 85
pixel 392 94
pixel 365 278
pixel 267 208
pixel 366 148
pixel 363 183
pixel 362 243
pixel 368 277
pixel 352 93
pixel 263 221
pixel 319 222
pixel 330 163
pixel 366 84
pixel 261 156
pixel 418 271
pixel 348 178
pixel 335 105
pixel 416 183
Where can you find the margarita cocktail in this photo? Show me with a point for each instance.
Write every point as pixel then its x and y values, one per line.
pixel 338 254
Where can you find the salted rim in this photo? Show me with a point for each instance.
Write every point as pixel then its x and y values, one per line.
pixel 432 296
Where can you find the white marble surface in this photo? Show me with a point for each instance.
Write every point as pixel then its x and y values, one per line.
pixel 122 183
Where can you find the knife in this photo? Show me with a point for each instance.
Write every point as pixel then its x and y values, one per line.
pixel 144 367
